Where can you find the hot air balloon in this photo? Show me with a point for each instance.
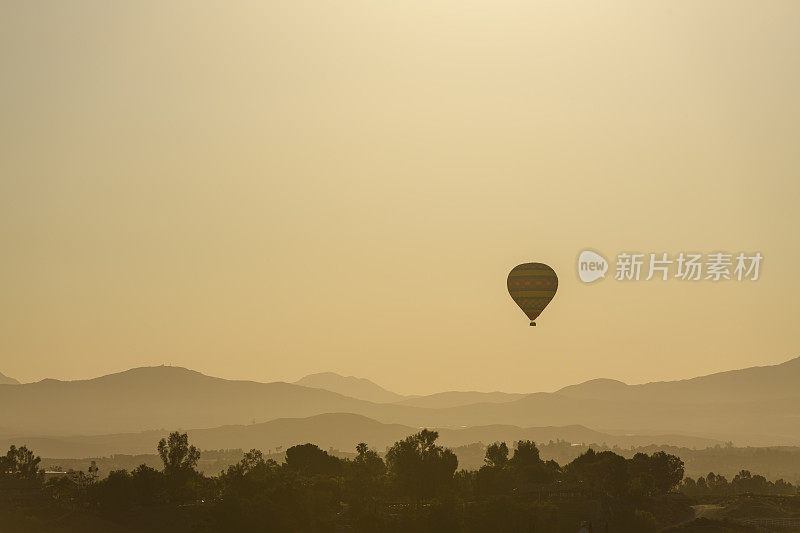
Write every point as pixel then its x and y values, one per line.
pixel 532 286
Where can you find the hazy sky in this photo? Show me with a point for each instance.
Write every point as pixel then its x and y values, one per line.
pixel 262 190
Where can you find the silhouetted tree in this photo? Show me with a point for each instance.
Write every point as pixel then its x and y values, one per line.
pixel 495 476
pixel 365 484
pixel 418 467
pixel 148 485
pixel 368 464
pixel 176 453
pixel 257 494
pixel 20 463
pixel 181 479
pixel 667 471
pixel 654 474
pixel 604 472
pixel 115 493
pixel 252 460
pixel 717 483
pixel 309 460
pixel 528 467
pixel 496 455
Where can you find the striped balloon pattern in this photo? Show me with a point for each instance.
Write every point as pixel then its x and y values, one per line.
pixel 532 286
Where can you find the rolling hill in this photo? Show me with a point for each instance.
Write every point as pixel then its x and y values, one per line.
pixel 162 397
pixel 5 380
pixel 341 431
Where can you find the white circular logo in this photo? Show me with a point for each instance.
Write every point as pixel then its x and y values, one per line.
pixel 591 266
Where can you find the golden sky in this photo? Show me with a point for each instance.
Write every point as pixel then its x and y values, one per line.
pixel 261 190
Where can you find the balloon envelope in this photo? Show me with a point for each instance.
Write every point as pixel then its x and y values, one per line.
pixel 532 286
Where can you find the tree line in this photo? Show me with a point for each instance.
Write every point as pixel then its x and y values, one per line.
pixel 416 485
pixel 742 483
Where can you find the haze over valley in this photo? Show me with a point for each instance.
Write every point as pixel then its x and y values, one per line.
pixel 121 413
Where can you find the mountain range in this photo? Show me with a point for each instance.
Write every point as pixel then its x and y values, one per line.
pixel 753 406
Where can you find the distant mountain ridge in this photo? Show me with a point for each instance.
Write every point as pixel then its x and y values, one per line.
pixel 360 388
pixel 156 397
pixel 758 382
pixel 6 380
pixel 447 399
pixel 755 406
pixel 364 389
